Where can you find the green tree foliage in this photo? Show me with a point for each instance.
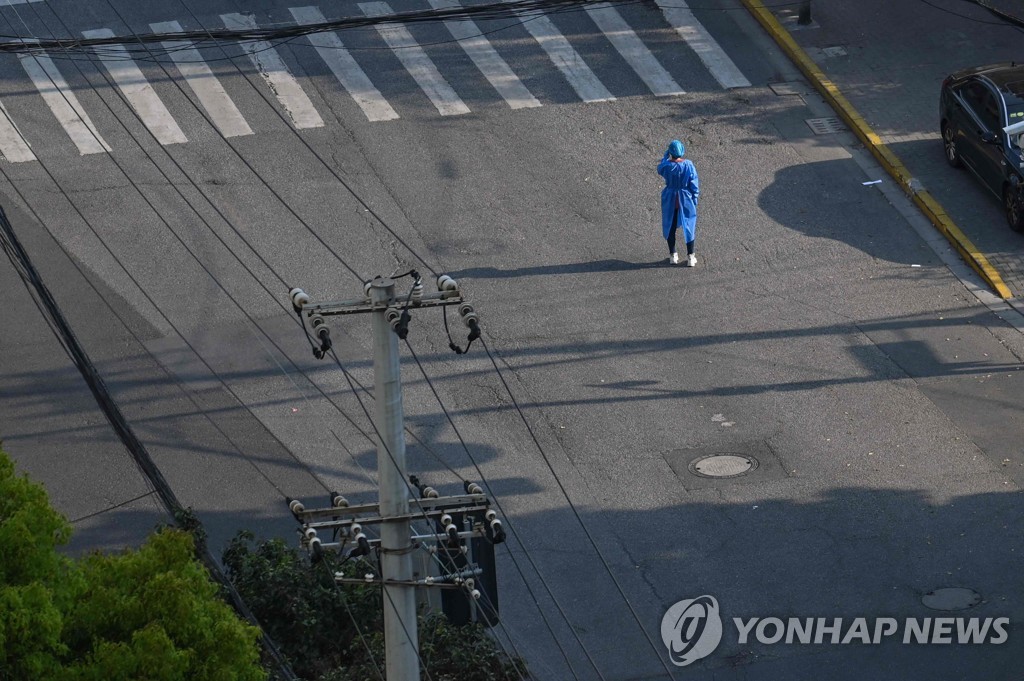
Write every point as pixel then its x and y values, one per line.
pixel 30 572
pixel 314 620
pixel 154 613
pixel 151 613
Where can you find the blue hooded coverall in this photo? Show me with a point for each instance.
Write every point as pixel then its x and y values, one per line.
pixel 679 197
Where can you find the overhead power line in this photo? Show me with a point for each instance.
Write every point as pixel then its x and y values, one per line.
pixel 517 10
pixel 33 281
pixel 492 11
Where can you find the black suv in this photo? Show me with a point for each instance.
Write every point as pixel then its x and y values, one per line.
pixel 979 113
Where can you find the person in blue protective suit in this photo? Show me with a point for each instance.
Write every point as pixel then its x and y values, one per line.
pixel 679 201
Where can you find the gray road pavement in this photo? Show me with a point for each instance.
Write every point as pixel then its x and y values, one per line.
pixel 880 396
pixel 891 72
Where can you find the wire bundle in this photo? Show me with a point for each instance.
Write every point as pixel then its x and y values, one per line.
pixel 136 44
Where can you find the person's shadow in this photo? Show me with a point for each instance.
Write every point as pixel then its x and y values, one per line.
pixel 592 266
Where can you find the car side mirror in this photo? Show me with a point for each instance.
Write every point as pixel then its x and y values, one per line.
pixel 989 137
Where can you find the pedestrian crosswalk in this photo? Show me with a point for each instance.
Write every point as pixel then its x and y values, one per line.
pixel 64 104
pixel 211 94
pixel 357 72
pixel 582 79
pixel 137 90
pixel 279 79
pixel 486 58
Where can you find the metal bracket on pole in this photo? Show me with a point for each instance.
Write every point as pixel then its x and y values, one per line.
pixel 392 516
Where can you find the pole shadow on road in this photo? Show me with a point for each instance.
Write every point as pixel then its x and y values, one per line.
pixel 851 552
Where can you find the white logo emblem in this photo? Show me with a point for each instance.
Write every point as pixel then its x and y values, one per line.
pixel 691 630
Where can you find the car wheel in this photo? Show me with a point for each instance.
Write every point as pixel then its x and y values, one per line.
pixel 949 142
pixel 1014 209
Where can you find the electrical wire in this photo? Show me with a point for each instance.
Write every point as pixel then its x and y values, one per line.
pixel 140 455
pixel 236 231
pixel 152 302
pixel 1006 19
pixel 170 323
pixel 515 533
pixel 242 158
pixel 420 259
pixel 501 622
pixel 488 351
pixel 489 12
pixel 1016 20
pixel 618 586
pixel 113 507
pixel 302 140
pixel 351 616
pixel 576 514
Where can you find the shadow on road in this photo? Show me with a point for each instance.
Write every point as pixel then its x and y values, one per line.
pixel 815 199
pixel 852 552
pixel 608 265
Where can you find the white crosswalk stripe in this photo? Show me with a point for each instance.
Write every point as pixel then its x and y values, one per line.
pixel 679 16
pixel 13 144
pixel 633 50
pixel 566 58
pixel 273 70
pixel 137 90
pixel 345 68
pixel 487 59
pixel 416 62
pixel 63 103
pixel 211 94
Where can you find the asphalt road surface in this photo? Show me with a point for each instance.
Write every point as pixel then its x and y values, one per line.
pixel 820 333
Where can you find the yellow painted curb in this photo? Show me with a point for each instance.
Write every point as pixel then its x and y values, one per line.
pixel 892 164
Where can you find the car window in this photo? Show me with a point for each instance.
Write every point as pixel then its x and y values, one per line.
pixel 989 113
pixel 983 102
pixel 973 92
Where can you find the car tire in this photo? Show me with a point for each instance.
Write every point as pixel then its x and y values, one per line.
pixel 1013 205
pixel 949 145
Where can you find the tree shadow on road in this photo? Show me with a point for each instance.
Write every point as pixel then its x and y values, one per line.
pixel 847 552
pixel 817 199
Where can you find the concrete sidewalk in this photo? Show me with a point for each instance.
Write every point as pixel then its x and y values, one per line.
pixel 891 73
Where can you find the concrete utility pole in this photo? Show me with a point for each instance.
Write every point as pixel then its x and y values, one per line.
pixel 396 542
pixel 400 634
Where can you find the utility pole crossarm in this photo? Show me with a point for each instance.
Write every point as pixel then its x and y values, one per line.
pixel 459 520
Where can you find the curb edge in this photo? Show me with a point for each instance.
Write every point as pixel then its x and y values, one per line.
pixel 931 208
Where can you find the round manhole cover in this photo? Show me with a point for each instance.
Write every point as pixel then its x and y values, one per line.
pixel 723 465
pixel 952 598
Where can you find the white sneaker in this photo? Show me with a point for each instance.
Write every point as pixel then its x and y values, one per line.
pixel 691 260
pixel 673 259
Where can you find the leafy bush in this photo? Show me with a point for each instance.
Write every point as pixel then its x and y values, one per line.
pixel 314 620
pixel 156 609
pixel 31 569
pixel 151 613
